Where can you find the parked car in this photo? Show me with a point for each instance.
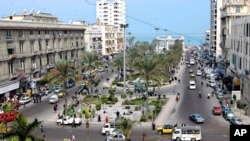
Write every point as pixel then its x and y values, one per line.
pixel 165 129
pixel 25 100
pixel 228 115
pixel 197 118
pixel 61 94
pixel 58 89
pixel 211 83
pixel 48 91
pixel 236 121
pixel 217 110
pixel 53 99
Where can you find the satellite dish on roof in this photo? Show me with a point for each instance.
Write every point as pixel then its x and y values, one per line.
pixel 70 21
pixel 13 13
pixel 38 12
pixel 32 10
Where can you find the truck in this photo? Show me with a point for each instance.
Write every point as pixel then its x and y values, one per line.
pixel 69 121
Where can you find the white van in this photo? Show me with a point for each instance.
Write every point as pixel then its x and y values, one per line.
pixel 108 128
pixel 53 99
pixel 187 133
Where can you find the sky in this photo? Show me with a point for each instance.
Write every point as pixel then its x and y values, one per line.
pixel 190 18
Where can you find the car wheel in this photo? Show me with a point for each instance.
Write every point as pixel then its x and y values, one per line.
pixel 59 123
pixel 178 139
pixel 107 133
pixel 193 139
pixel 159 132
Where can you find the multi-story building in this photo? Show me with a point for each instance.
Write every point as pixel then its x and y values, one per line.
pixel 215 30
pixel 231 9
pixel 239 52
pixel 31 43
pixel 163 44
pixel 111 12
pixel 103 39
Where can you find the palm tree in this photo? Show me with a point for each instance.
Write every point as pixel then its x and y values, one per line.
pixel 126 126
pixel 118 62
pixel 91 62
pixel 63 72
pixel 21 129
pixel 7 107
pixel 149 69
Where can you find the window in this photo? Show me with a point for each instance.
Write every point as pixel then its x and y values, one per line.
pixel 237 9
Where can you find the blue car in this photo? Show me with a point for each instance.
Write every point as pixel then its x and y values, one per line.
pixel 197 118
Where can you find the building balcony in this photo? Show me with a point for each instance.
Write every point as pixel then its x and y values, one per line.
pixel 12 56
pixel 47 36
pixel 50 66
pixel 13 76
pixel 8 37
pixel 49 50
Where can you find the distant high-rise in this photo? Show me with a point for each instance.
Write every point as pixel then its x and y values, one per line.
pixel 215 30
pixel 111 12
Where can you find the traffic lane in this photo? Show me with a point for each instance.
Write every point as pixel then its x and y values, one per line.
pixel 191 103
pixel 58 133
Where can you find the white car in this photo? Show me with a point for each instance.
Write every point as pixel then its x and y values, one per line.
pixel 68 121
pixel 198 72
pixel 25 100
pixel 116 137
pixel 192 85
pixel 211 83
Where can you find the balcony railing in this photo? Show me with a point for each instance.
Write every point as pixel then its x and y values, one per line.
pixel 12 56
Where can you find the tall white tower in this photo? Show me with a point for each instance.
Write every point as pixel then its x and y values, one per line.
pixel 111 12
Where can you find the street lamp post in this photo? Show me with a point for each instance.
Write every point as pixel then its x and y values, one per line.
pixel 124 26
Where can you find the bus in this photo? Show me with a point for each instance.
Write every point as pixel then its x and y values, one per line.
pixel 189 133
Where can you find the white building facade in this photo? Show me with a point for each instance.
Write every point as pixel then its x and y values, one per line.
pixel 239 53
pixel 231 9
pixel 111 12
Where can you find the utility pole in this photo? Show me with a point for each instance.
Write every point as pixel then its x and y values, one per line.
pixel 124 26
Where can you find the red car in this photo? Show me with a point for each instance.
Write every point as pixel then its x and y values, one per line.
pixel 217 110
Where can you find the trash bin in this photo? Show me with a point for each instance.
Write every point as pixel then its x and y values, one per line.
pixel 153 126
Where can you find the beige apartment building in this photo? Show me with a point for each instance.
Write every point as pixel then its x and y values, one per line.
pixel 31 44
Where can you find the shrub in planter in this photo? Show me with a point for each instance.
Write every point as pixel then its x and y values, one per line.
pixel 114 99
pixel 123 96
pixel 143 118
pixel 98 106
pixel 137 108
pixel 127 107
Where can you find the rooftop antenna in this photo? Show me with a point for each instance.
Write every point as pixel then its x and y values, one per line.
pixel 24 10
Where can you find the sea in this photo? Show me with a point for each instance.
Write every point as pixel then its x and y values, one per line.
pixel 190 40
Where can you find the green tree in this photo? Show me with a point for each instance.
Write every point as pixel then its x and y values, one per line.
pixel 7 107
pixel 22 130
pixel 91 62
pixel 62 73
pixel 149 69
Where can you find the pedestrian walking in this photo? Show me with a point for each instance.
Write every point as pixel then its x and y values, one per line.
pixel 41 128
